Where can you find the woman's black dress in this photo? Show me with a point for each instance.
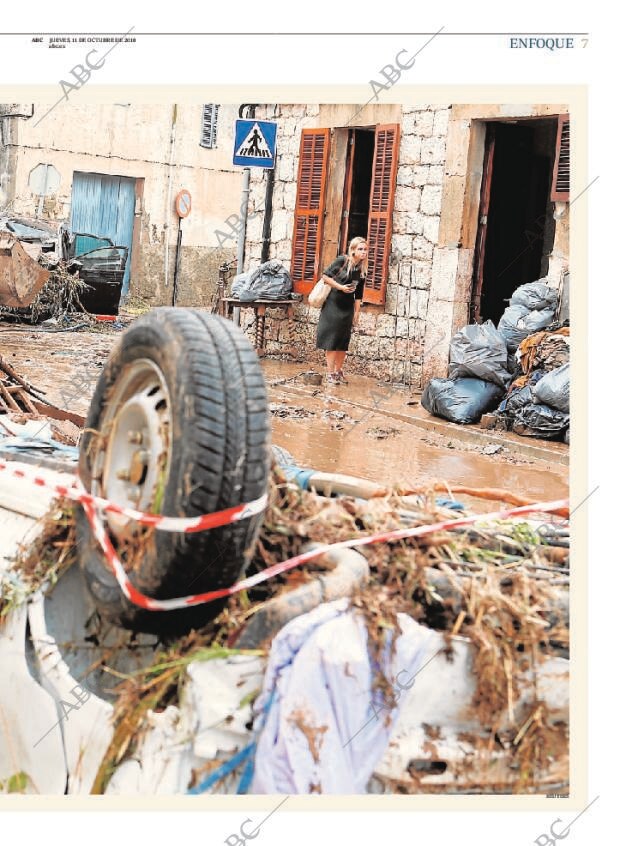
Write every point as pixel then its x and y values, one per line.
pixel 336 320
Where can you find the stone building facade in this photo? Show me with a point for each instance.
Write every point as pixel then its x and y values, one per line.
pixel 155 149
pixel 434 279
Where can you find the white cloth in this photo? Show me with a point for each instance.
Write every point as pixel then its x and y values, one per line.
pixel 324 731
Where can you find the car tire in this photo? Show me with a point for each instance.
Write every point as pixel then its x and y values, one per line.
pixel 191 386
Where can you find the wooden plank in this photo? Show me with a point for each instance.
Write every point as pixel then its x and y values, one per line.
pixel 8 399
pixel 23 396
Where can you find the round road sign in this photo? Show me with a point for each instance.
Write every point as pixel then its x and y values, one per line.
pixel 183 203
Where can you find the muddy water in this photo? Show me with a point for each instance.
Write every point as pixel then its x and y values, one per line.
pixel 334 435
pixel 407 453
pixel 405 457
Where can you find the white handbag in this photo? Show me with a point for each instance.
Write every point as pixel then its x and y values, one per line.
pixel 319 294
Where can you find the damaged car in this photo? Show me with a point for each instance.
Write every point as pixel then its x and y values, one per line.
pixel 196 616
pixel 32 251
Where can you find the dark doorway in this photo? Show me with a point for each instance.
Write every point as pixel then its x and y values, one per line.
pixel 516 226
pixel 356 205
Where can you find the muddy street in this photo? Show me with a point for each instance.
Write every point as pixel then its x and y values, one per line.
pixel 340 430
pixel 361 429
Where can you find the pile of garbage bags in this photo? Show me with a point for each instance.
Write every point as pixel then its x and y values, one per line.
pixel 477 376
pixel 531 308
pixel 520 370
pixel 538 400
pixel 270 281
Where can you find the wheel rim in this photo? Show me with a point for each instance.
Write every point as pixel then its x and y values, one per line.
pixel 132 456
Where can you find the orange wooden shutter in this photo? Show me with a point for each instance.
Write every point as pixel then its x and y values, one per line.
pixel 383 186
pixel 561 170
pixel 309 208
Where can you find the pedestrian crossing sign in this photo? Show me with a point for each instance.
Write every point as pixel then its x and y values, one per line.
pixel 255 143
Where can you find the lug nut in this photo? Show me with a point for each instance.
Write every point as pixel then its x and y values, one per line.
pixel 135 437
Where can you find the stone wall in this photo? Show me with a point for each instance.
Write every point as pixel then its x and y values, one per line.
pixel 197 279
pixel 389 341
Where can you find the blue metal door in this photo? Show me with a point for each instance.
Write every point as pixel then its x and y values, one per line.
pixel 104 206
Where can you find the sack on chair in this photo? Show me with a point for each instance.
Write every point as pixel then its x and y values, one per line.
pixel 319 294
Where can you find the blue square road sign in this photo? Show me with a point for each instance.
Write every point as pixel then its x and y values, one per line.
pixel 255 143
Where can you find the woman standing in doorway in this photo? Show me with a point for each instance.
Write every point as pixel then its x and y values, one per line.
pixel 340 310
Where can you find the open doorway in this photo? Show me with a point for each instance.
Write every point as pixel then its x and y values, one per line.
pixel 516 225
pixel 358 179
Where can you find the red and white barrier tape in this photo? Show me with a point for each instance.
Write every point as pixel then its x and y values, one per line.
pixel 91 503
pixel 150 604
pixel 74 490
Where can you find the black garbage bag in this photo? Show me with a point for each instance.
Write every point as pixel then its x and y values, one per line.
pixel 270 281
pixel 554 389
pixel 517 322
pixel 540 421
pixel 516 400
pixel 535 296
pixel 479 351
pixel 460 400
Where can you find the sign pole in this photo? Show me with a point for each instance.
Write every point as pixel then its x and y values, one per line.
pixel 245 196
pixel 177 262
pixel 183 206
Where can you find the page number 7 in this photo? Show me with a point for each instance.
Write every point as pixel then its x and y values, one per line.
pixel 584 42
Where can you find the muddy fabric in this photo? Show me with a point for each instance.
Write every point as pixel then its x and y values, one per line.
pixel 325 729
pixel 545 350
pixel 336 319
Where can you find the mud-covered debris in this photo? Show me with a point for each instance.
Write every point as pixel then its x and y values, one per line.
pixel 65 432
pixel 311 377
pixel 298 412
pixel 381 433
pixel 494 584
pixel 491 449
pixel 58 299
pixel 337 419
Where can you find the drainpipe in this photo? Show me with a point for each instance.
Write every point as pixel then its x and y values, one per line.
pixel 173 130
pixel 264 256
pixel 243 208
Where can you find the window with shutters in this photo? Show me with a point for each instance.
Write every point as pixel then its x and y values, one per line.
pixel 208 133
pixel 560 187
pixel 309 208
pixel 365 207
pixel 382 190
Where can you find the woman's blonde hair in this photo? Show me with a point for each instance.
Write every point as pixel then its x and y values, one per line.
pixel 363 265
